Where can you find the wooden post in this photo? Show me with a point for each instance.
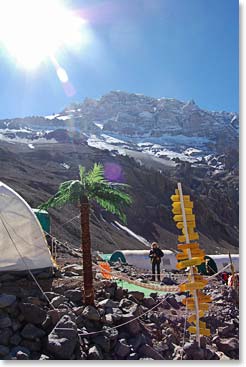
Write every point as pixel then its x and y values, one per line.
pixel 232 271
pixel 52 246
pixel 234 283
pixel 191 268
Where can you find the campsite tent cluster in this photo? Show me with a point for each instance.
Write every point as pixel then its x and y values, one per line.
pixel 23 245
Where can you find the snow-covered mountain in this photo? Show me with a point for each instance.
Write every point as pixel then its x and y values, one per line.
pixel 124 123
pixel 149 143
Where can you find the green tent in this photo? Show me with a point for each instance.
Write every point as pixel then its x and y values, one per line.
pixel 44 219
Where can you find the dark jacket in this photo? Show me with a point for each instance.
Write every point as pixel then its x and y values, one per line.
pixel 156 254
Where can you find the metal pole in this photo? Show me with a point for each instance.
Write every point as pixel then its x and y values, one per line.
pixel 190 257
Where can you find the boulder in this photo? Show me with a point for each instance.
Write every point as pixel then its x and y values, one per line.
pixel 137 295
pixel 31 332
pixel 108 303
pixel 228 346
pixel 32 313
pixel 57 301
pixel 112 334
pixel 22 356
pixel 91 313
pixel 168 281
pixel 146 350
pixel 51 295
pixel 56 315
pixel 15 339
pixel 193 352
pixel 74 295
pixel 63 338
pixel 17 352
pixel 222 356
pixel 6 300
pixel 119 294
pixel 73 268
pixel 103 342
pixel 116 314
pixel 125 304
pixel 227 331
pixel 173 302
pixel 133 357
pixel 7 278
pixel 108 319
pixel 78 310
pixel 137 341
pixel 13 310
pixel 32 345
pixel 5 335
pixel 16 325
pixel 122 349
pixel 133 328
pixel 5 321
pixel 148 302
pixel 95 353
pixel 3 351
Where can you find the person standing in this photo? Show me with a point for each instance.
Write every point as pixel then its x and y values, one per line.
pixel 155 255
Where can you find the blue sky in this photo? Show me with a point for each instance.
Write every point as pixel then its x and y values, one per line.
pixel 184 49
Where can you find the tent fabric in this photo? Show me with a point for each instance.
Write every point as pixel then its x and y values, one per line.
pixel 211 263
pixel 223 260
pixel 22 242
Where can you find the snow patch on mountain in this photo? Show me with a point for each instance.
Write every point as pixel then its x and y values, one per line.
pixel 59 117
pixel 27 141
pixel 133 234
pixel 65 165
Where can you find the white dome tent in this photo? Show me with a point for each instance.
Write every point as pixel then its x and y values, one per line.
pixel 22 241
pixel 140 259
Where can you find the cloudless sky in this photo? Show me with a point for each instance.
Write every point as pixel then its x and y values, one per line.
pixel 184 49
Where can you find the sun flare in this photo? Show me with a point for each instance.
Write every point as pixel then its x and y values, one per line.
pixel 33 31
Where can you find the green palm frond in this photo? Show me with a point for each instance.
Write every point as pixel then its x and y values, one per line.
pixel 111 192
pixel 82 173
pixel 96 175
pixel 111 198
pixel 68 192
pixel 111 207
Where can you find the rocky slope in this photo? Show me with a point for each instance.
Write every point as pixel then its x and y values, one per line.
pixel 123 325
pixel 36 174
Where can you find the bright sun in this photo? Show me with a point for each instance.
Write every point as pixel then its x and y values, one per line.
pixel 34 30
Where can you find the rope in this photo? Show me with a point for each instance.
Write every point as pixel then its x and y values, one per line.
pixel 124 323
pixel 215 275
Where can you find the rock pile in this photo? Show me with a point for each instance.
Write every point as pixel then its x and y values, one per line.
pixel 64 328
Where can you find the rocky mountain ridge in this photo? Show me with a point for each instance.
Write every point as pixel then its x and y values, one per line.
pixel 142 123
pixel 38 153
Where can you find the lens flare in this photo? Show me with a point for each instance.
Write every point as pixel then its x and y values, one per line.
pixel 31 31
pixel 113 172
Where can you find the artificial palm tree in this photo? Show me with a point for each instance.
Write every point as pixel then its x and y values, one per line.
pixel 91 187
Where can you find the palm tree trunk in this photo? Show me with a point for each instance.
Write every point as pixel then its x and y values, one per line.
pixel 86 250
